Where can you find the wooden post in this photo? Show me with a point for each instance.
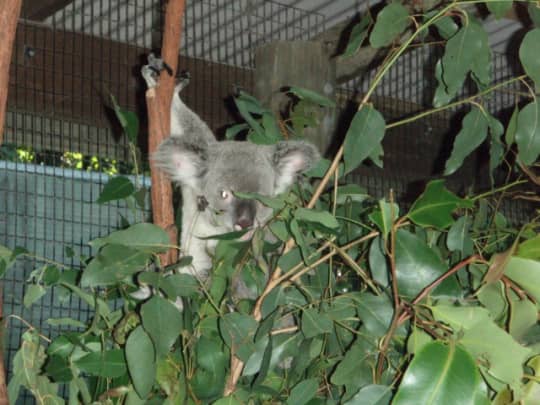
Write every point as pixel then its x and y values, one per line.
pixel 9 16
pixel 298 63
pixel 158 102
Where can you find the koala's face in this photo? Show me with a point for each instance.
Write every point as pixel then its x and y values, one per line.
pixel 216 170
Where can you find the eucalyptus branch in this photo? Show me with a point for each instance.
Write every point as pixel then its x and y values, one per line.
pixel 455 103
pixel 498 190
pixel 361 272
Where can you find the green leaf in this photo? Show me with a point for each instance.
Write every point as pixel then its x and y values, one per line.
pixel 510 134
pixel 385 216
pixel 238 331
pixel 174 285
pixel 323 218
pixel 351 192
pixel 113 264
pixel 163 322
pixel 530 249
pixel 461 52
pixel 376 312
pixel 499 8
pixel 446 26
pixel 526 273
pixel 358 34
pixel 351 369
pixel 392 20
pixel 417 265
pixel 58 368
pixel 473 133
pixel 312 96
pixel 141 361
pixel 417 340
pixel 439 374
pixel 523 315
pixel 229 400
pixel 33 293
pixel 300 240
pixel 529 57
pixel 460 318
pixel 315 323
pixel 128 120
pixel 528 133
pixel 534 13
pixel 232 131
pixel 303 392
pixel 144 237
pixel 108 364
pixel 276 203
pixel 363 137
pixel 378 264
pixel 371 395
pixel 116 188
pixel 496 149
pixel 435 206
pixel 485 340
pixel 211 356
pixel 458 238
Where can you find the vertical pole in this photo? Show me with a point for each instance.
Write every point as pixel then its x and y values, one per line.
pixel 158 102
pixel 9 16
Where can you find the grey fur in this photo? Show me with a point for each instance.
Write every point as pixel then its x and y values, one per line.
pixel 204 167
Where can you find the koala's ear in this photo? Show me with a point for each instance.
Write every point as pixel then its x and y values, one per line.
pixel 183 161
pixel 290 159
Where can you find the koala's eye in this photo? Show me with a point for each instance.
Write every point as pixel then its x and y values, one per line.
pixel 225 194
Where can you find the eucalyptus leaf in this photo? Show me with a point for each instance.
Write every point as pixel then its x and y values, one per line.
pixel 238 331
pixel 528 133
pixel 116 188
pixel 417 265
pixel 363 136
pixel 113 264
pixel 372 394
pixel 303 392
pixel 435 206
pixel 473 132
pixel 162 320
pixel 312 96
pixel 528 55
pixel 499 8
pixel 358 34
pixel 108 364
pixel 391 21
pixel 141 361
pixel 145 237
pixel 439 374
pixel 315 323
pixel 461 52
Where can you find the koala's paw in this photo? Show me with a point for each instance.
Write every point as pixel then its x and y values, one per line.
pixel 151 71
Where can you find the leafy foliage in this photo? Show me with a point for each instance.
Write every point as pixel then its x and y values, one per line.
pixel 357 301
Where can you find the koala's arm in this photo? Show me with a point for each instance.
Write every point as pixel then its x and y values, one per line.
pixel 185 121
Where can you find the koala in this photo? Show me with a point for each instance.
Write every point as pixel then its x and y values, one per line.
pixel 209 172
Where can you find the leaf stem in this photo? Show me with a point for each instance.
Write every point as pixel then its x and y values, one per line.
pixel 498 190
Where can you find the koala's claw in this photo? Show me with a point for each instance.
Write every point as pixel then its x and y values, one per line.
pixel 151 71
pixel 182 81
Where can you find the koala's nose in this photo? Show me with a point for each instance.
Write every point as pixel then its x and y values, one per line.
pixel 245 214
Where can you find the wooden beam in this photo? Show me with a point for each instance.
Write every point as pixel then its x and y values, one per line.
pixel 39 10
